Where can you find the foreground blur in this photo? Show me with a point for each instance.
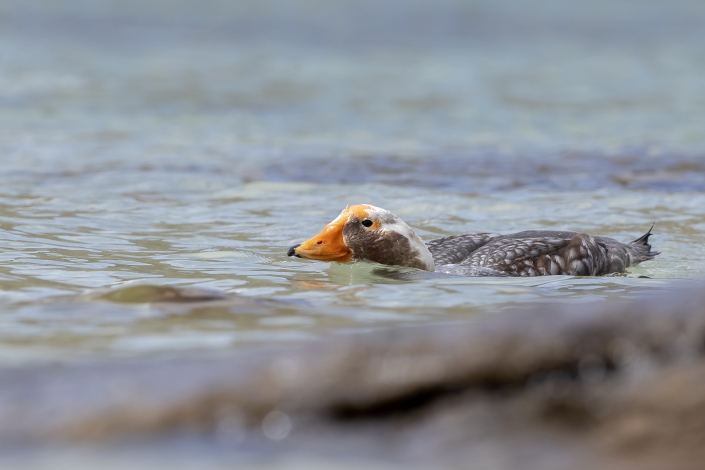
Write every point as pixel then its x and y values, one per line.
pixel 157 158
pixel 592 386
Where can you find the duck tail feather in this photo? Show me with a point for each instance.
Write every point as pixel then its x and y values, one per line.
pixel 642 246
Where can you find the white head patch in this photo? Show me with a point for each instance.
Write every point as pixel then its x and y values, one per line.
pixel 391 223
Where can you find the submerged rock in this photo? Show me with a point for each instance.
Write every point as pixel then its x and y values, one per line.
pixel 147 293
pixel 607 385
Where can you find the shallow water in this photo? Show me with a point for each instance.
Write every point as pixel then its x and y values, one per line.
pixel 188 146
pixel 202 231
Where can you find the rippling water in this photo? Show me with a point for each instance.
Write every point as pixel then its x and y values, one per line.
pixel 188 145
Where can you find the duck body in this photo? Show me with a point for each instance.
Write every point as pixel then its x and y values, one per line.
pixel 366 232
pixel 541 253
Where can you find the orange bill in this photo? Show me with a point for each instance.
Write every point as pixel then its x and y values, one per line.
pixel 326 246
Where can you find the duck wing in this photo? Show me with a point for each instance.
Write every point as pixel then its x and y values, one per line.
pixel 456 248
pixel 542 253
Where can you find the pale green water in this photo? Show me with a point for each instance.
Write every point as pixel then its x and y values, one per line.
pixel 191 146
pixel 203 231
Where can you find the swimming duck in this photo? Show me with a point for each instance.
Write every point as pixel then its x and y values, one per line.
pixel 368 233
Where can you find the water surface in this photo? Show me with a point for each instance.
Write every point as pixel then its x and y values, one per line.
pixel 192 145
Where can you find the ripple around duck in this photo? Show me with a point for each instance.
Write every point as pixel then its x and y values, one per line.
pixel 336 298
pixel 240 248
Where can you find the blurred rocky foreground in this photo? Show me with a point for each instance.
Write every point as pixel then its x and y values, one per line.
pixel 601 385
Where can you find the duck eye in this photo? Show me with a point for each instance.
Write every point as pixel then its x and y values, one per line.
pixel 367 223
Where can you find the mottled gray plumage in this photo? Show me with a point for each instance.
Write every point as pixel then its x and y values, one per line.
pixel 457 248
pixel 539 253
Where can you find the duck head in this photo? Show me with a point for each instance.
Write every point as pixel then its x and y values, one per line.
pixel 367 233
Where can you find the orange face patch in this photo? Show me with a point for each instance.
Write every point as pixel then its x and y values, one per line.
pixel 359 211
